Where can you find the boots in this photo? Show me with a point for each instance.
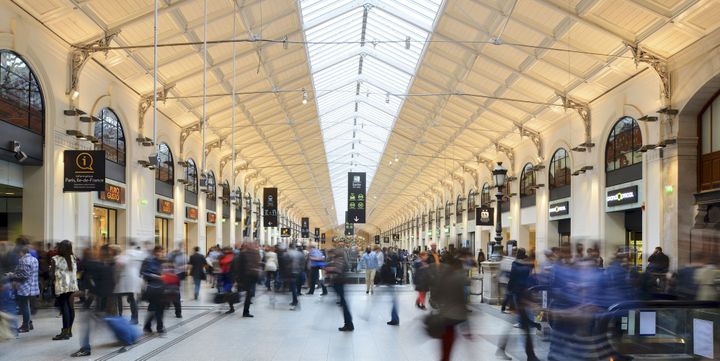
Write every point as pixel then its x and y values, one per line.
pixel 64 334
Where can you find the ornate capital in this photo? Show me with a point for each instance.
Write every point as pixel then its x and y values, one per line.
pixel 217 144
pixel 186 132
pixel 657 63
pixel 583 110
pixel 534 137
pixel 146 101
pixel 80 55
pixel 509 153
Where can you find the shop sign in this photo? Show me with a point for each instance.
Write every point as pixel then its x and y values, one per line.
pixel 622 196
pixel 270 207
pixel 356 197
pixel 396 237
pixel 164 207
pixel 191 213
pixel 113 194
pixel 377 239
pixel 305 227
pixel 386 239
pixel 559 209
pixel 84 171
pixel 284 232
pixel 484 216
pixel 211 217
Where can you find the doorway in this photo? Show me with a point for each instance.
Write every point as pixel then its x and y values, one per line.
pixel 11 212
pixel 104 226
pixel 162 232
pixel 634 237
pixel 210 237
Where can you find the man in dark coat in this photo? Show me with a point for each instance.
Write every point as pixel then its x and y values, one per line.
pixel 246 269
pixel 197 269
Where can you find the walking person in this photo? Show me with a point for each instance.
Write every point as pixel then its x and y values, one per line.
pixel 151 272
pixel 295 261
pixel 128 281
pixel 336 270
pixel 369 262
pixel 178 263
pixel 271 267
pixel 247 272
pixel 197 270
pixel 449 295
pixel 26 285
pixel 63 269
pixel 317 262
pixel 422 279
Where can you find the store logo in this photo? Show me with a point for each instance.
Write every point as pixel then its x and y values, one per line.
pixel 622 196
pixel 558 209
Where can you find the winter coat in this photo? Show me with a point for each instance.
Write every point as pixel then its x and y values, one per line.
pixel 65 279
pixel 127 271
pixel 271 261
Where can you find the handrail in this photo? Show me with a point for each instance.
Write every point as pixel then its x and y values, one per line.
pixel 628 305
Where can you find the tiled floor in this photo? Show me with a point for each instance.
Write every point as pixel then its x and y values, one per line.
pixel 276 333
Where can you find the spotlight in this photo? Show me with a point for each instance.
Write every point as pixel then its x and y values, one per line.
pixel 85 118
pixel 183 163
pixel 145 141
pixel 648 118
pixel 73 112
pixel 75 94
pixel 579 149
pixel 668 111
pixel 587 145
pixel 576 173
pixel 92 139
pixel 396 158
pixel 587 168
pixel 647 147
pixel 19 154
pixel 538 167
pixel 305 96
pixel 74 133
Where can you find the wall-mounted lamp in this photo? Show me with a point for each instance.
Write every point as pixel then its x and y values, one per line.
pixel 145 141
pixel 538 167
pixel 647 147
pixel 73 112
pixel 587 168
pixel 19 154
pixel 648 118
pixel 668 111
pixel 86 118
pixel 183 163
pixel 578 149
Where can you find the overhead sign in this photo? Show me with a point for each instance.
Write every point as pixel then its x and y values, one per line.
pixel 484 216
pixel 349 229
pixel 622 196
pixel 84 171
pixel 559 209
pixel 211 217
pixel 317 234
pixel 396 237
pixel 386 239
pixel 270 207
pixel 191 213
pixel 322 238
pixel 305 227
pixel 164 206
pixel 284 232
pixel 377 239
pixel 113 193
pixel 356 197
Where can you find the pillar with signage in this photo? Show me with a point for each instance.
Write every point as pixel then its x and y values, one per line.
pixel 270 210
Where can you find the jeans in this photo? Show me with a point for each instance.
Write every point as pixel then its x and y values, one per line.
pixel 270 277
pixel 197 281
pixel 156 311
pixel 133 305
pixel 394 317
pixel 24 305
pixel 369 279
pixel 315 279
pixel 67 309
pixel 295 280
pixel 340 290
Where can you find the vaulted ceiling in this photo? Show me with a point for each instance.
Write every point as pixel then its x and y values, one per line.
pixel 430 93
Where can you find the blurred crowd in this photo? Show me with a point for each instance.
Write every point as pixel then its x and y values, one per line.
pixel 577 286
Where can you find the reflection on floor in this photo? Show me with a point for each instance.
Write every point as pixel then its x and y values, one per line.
pixel 276 333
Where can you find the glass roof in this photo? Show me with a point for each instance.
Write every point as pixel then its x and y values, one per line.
pixel 360 78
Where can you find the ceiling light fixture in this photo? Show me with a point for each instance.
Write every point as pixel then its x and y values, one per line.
pixel 304 96
pixel 387 98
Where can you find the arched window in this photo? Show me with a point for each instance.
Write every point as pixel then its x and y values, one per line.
pixel 211 186
pixel 191 177
pixel 471 203
pixel 623 145
pixel 21 101
pixel 111 135
pixel 485 195
pixel 527 181
pixel 559 171
pixel 709 134
pixel 448 211
pixel 165 169
pixel 226 192
pixel 458 208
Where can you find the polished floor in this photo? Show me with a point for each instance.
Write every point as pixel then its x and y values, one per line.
pixel 277 333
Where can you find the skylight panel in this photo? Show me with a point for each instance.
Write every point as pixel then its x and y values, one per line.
pixel 360 88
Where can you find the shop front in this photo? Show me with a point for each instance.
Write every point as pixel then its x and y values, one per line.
pixel 210 230
pixel 559 223
pixel 190 227
pixel 164 223
pixel 109 216
pixel 624 221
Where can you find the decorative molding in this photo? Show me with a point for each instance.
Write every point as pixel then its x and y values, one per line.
pixel 657 63
pixel 473 172
pixel 583 110
pixel 509 153
pixel 186 132
pixel 146 101
pixel 217 144
pixel 80 55
pixel 534 137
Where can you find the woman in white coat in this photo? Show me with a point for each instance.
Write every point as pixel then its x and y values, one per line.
pixel 127 278
pixel 271 267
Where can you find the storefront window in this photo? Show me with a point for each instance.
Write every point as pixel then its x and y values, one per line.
pixel 559 169
pixel 21 101
pixel 104 226
pixel 623 145
pixel 111 135
pixel 165 169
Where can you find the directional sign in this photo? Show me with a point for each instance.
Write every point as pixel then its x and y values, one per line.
pixel 270 207
pixel 284 232
pixel 396 237
pixel 349 229
pixel 356 197
pixel 377 239
pixel 322 238
pixel 305 227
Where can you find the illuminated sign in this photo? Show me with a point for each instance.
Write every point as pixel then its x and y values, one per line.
pixel 484 216
pixel 211 217
pixel 84 171
pixel 559 209
pixel 191 213
pixel 113 194
pixel 164 207
pixel 622 196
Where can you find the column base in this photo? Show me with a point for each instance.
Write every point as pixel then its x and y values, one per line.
pixel 491 287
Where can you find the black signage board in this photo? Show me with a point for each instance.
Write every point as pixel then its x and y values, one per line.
pixel 386 239
pixel 349 229
pixel 317 234
pixel 484 216
pixel 322 238
pixel 377 239
pixel 270 207
pixel 396 237
pixel 284 232
pixel 305 227
pixel 559 209
pixel 622 196
pixel 356 197
pixel 84 171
